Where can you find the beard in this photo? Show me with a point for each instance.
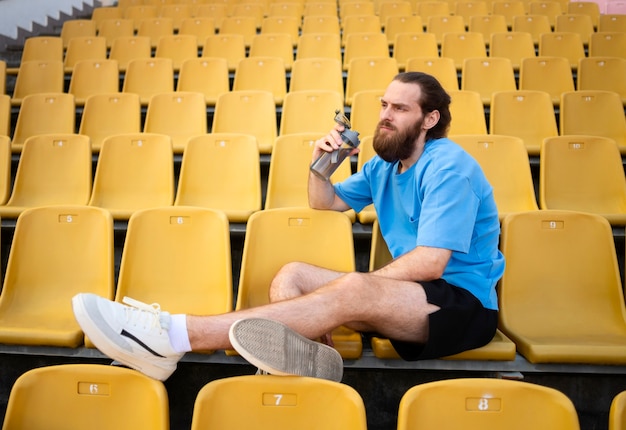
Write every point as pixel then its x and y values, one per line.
pixel 394 145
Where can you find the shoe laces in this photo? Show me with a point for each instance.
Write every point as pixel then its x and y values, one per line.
pixel 147 316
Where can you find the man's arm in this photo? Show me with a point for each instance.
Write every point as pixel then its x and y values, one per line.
pixel 421 264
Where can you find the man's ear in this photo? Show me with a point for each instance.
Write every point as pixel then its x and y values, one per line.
pixel 431 119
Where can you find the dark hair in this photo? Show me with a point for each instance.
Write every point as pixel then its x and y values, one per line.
pixel 434 97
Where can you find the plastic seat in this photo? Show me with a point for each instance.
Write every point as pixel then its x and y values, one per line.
pixel 243 25
pixel 442 68
pixel 550 9
pixel 485 404
pixel 105 115
pixel 365 112
pixel 3 77
pixel 111 29
pixel 247 9
pixel 298 402
pixel 282 9
pixel 50 262
pixel 149 76
pixel 176 12
pixel 155 28
pixel 575 23
pixel 565 44
pixel 134 172
pixel 262 74
pixel 92 77
pixel 373 73
pixel 359 24
pixel 468 113
pixel 221 171
pixel 487 25
pixel 179 115
pixel 408 46
pixel 310 111
pixel 442 24
pixel 509 9
pixel 399 24
pixel 5 169
pixel 5 115
pixel 487 75
pixel 319 8
pixel 69 395
pixel 359 45
pixel 514 45
pixel 250 112
pixel 140 12
pixel 512 112
pixel 37 77
pixel 283 24
pixel 536 25
pixel 102 13
pixel 316 74
pixel 77 28
pixel 84 48
pixel 617 411
pixel 178 48
pixel 289 171
pixel 273 45
pixel 274 237
pixel 608 44
pixel 321 24
pixel 231 47
pixel 217 11
pixel 368 214
pixel 594 112
pixel 125 49
pixel 200 26
pixel 53 169
pixel 572 309
pixel 612 23
pixel 428 9
pixel 396 9
pixel 179 257
pixel 205 75
pixel 585 8
pixel 40 48
pixel 319 45
pixel 356 8
pixel 470 8
pixel 44 113
pixel 583 173
pixel 461 46
pixel 552 75
pixel 504 159
pixel 602 73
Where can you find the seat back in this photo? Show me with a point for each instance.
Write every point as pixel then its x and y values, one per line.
pixel 442 24
pixel 155 28
pixel 548 8
pixel 149 76
pixel 70 395
pixel 462 45
pixel 84 48
pixel 180 115
pixel 562 44
pixel 509 9
pixel 124 49
pixel 262 74
pixel 102 13
pixel 37 77
pixel 487 25
pixel 410 45
pixel 217 11
pixel 617 412
pixel 398 24
pixel 221 171
pixel 316 74
pixel 273 45
pixel 579 23
pixel 43 48
pixel 468 113
pixel 316 19
pixel 359 45
pixel 208 76
pixel 428 9
pixel 609 22
pixel 178 257
pixel 590 8
pixel 250 112
pixel 514 45
pixel 199 26
pixel 550 74
pixel 582 173
pixel 319 45
pixel 178 48
pixel 134 171
pixel 284 18
pixel 278 402
pixel 365 113
pixel 359 24
pixel 105 115
pixel 602 73
pixel 56 253
pixel 504 160
pixel 442 68
pixel 5 115
pixel 608 44
pixel 485 404
pixel 512 111
pixel 53 169
pixel 177 12
pixel 77 28
pixel 487 75
pixel 245 26
pixel 44 113
pixel 534 24
pixel 309 111
pixel 369 73
pixel 5 168
pixel 114 28
pixel 469 9
pixel 232 47
pixel 92 77
pixel 594 112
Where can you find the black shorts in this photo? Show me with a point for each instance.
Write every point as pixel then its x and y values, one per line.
pixel 461 324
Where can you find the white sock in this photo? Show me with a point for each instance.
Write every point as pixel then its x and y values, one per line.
pixel 179 338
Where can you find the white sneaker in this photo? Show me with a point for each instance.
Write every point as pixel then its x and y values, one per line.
pixel 276 349
pixel 136 335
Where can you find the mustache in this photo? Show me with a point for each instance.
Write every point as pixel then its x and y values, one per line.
pixel 386 124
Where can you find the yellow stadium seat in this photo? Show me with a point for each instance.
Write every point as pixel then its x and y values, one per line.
pixel 70 395
pixel 309 111
pixel 111 29
pixel 359 24
pixel 274 237
pixel 399 24
pixel 319 45
pixel 246 9
pixel 283 24
pixel 262 74
pixel 105 115
pixel 602 73
pixel 84 48
pixel 442 24
pixel 585 8
pixel 360 45
pixel 180 115
pixel 48 264
pixel 206 75
pixel 487 75
pixel 124 49
pixel 217 11
pixel 572 309
pixel 581 24
pixel 468 113
pixel 140 12
pixel 41 48
pixel 608 44
pixel 37 77
pixel 5 115
pixel 199 26
pixel 369 73
pixel 176 12
pixel 77 28
pixel 321 24
pixel 91 77
pixel 5 169
pixel 245 26
pixel 231 47
pixel 563 44
pixel 487 25
pixel 221 171
pixel 428 9
pixel 177 47
pixel 442 68
pixel 102 13
pixel 608 22
pixel 149 76
pixel 552 75
pixel 155 28
pixel 320 8
pixel 365 112
pixel 514 45
pixel 534 24
pixel 134 172
pixel 486 404
pixel 509 9
pixel 282 10
pixel 617 412
pixel 550 9
pixel 316 74
pixel 356 8
pixel 395 9
pixel 278 402
pixel 461 46
pixel 273 45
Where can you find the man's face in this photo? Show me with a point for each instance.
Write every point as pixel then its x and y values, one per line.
pixel 400 124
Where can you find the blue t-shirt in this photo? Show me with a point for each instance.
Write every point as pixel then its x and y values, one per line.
pixel 442 201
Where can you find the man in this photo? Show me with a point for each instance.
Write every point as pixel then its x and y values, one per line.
pixel 436 298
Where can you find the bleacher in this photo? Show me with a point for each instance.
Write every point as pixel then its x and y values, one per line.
pixel 531 83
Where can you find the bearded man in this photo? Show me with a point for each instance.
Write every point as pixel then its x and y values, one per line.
pixel 437 297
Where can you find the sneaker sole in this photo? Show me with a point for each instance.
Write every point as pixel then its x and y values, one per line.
pixel 275 348
pixel 101 341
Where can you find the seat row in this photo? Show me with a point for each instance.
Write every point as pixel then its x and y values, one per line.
pixel 48 396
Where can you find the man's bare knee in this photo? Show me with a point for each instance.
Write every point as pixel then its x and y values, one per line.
pixel 286 282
